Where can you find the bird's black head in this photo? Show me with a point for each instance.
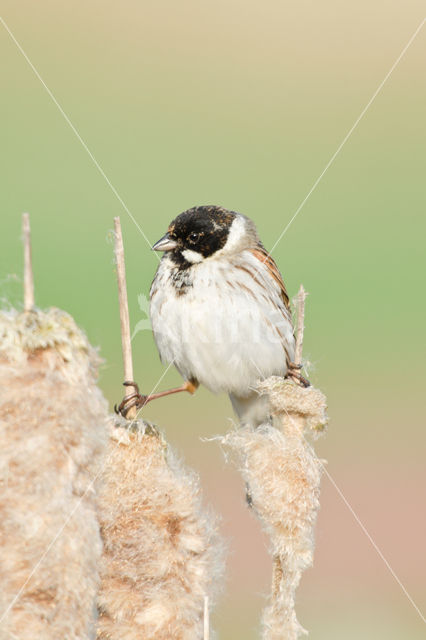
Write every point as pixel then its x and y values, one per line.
pixel 196 234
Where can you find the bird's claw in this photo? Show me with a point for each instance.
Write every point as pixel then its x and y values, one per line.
pixel 294 373
pixel 136 399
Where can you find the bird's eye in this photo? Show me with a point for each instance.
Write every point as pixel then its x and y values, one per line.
pixel 193 237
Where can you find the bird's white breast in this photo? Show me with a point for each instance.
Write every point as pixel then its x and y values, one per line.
pixel 222 327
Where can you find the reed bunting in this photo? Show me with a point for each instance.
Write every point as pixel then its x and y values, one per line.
pixel 220 311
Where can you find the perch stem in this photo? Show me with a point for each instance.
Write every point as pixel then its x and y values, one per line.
pixel 301 297
pixel 28 266
pixel 206 635
pixel 124 312
pixel 277 576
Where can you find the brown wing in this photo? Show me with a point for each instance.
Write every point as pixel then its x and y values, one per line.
pixel 263 256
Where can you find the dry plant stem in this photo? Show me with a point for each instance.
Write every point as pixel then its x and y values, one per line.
pixel 161 549
pixel 28 266
pixel 206 618
pixel 124 313
pixel 189 386
pixel 301 297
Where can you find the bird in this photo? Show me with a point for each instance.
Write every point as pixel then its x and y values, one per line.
pixel 220 311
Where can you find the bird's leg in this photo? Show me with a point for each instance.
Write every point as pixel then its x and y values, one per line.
pixel 294 372
pixel 139 400
pixel 190 385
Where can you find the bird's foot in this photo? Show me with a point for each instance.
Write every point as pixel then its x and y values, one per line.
pixel 294 373
pixel 135 399
pixel 138 400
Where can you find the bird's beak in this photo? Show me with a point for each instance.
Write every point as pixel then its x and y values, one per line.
pixel 166 243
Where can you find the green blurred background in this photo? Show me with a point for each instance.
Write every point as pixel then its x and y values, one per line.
pixel 243 104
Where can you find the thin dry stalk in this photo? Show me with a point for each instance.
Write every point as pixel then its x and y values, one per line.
pixel 206 618
pixel 124 313
pixel 28 266
pixel 161 548
pixel 301 297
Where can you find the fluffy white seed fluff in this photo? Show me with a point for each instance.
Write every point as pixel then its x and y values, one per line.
pixel 162 552
pixel 52 438
pixel 283 476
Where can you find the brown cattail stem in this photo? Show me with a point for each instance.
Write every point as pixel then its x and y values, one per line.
pixel 124 312
pixel 301 297
pixel 28 267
